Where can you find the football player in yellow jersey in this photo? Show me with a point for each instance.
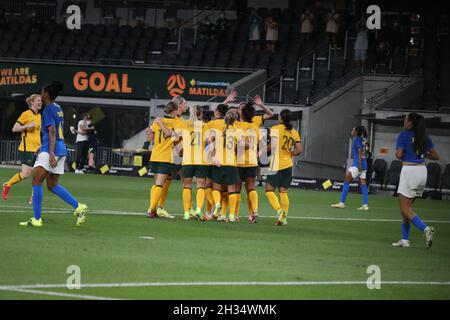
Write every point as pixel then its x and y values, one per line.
pixel 284 144
pixel 259 120
pixel 162 156
pixel 223 141
pixel 194 164
pixel 29 124
pixel 247 159
pixel 181 105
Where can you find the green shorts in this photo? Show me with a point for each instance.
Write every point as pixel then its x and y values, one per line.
pixel 247 172
pixel 161 167
pixel 27 158
pixel 280 179
pixel 198 171
pixel 225 175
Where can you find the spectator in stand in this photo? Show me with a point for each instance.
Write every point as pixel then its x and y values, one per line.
pixel 332 28
pixel 361 46
pixel 271 27
pixel 306 26
pixel 255 29
pixel 82 142
pixel 222 25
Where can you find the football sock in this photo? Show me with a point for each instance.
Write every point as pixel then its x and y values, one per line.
pixel 233 197
pixel 216 196
pixel 273 200
pixel 249 204
pixel 200 197
pixel 345 190
pixel 15 179
pixel 155 194
pixel 209 197
pixel 418 223
pixel 405 231
pixel 65 195
pixel 38 193
pixel 187 199
pixel 284 201
pixel 165 190
pixel 238 203
pixel 253 197
pixel 365 192
pixel 225 200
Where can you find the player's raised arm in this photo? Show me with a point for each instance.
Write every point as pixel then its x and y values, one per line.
pixel 267 112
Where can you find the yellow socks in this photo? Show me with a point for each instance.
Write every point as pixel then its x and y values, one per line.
pixel 238 203
pixel 165 190
pixel 253 197
pixel 249 204
pixel 273 200
pixel 216 196
pixel 187 199
pixel 209 197
pixel 200 198
pixel 155 195
pixel 225 201
pixel 284 201
pixel 232 199
pixel 15 179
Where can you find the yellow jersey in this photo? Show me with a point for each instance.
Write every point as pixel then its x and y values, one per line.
pixel 31 137
pixel 286 139
pixel 258 120
pixel 247 132
pixel 225 141
pixel 193 142
pixel 162 145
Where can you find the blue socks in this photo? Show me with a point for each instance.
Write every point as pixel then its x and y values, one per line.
pixel 405 231
pixel 65 195
pixel 345 190
pixel 37 201
pixel 418 223
pixel 365 192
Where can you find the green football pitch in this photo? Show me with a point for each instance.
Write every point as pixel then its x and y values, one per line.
pixel 323 253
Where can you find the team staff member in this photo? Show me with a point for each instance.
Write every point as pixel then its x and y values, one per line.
pixel 413 146
pixel 284 144
pixel 29 124
pixel 247 160
pixel 162 157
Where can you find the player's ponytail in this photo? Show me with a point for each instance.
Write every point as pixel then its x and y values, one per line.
pixel 195 113
pixel 420 135
pixel 170 107
pixel 286 117
pixel 361 132
pixel 230 118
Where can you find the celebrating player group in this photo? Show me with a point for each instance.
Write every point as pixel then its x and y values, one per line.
pixel 220 156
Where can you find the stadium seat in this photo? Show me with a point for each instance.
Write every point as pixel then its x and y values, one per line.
pixel 433 175
pixel 393 174
pixel 378 170
pixel 445 179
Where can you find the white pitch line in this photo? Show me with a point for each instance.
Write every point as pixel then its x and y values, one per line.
pixel 59 294
pixel 221 283
pixel 125 213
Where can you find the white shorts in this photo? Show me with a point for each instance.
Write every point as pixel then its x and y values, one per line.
pixel 356 173
pixel 43 160
pixel 412 181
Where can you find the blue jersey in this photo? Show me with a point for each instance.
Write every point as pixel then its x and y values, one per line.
pixel 405 141
pixel 358 143
pixel 52 115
